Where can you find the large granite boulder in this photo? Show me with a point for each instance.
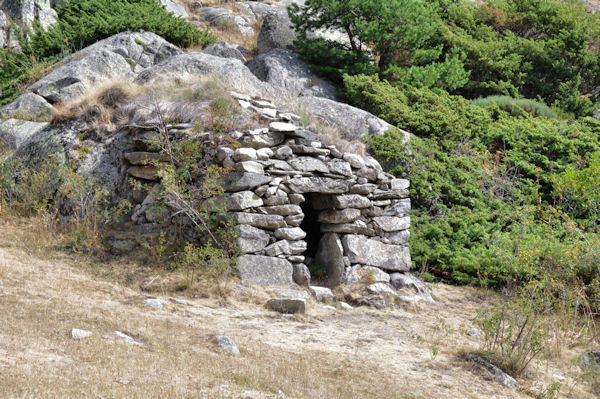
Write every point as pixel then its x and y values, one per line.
pixel 289 75
pixel 276 32
pixel 353 122
pixel 230 71
pixel 121 55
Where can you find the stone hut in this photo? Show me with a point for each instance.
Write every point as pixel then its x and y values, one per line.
pixel 299 202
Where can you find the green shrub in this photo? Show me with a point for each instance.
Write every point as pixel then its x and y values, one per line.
pixel 475 174
pixel 84 22
pixel 542 49
pixel 516 106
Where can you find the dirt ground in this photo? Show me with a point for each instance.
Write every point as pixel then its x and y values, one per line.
pixel 410 352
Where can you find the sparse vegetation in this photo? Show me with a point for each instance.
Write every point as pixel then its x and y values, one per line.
pixel 84 22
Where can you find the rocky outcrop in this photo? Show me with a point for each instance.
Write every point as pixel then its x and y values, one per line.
pixel 225 19
pixel 119 56
pixel 353 122
pixel 276 32
pixel 28 11
pixel 226 50
pixel 230 71
pixel 289 75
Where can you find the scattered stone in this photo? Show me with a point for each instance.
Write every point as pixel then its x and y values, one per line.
pixel 474 332
pixel 381 288
pixel 403 280
pixel 226 343
pixel 178 301
pixel 409 298
pixel 174 8
pixel 127 338
pixel 120 245
pixel 500 375
pixel 321 294
pixel 121 55
pixel 301 274
pixel 591 359
pixel 287 305
pixel 80 334
pixel 329 307
pixel 292 294
pixel 155 302
pixel 366 274
pixel 353 123
pixel 345 306
pixel 14 132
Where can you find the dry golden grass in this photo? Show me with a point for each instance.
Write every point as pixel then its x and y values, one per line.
pixel 411 352
pixel 99 103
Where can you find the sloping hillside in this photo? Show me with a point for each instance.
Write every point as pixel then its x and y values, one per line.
pixel 410 352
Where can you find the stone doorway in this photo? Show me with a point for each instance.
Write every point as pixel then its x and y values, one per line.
pixel 312 227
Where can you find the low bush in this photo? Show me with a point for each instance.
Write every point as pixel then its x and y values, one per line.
pixel 475 175
pixel 516 106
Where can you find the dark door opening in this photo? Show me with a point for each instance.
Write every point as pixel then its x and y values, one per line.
pixel 312 227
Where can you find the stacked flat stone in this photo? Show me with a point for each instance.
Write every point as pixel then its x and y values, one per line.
pixel 362 211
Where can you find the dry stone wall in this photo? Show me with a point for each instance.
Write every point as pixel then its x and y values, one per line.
pixel 298 203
